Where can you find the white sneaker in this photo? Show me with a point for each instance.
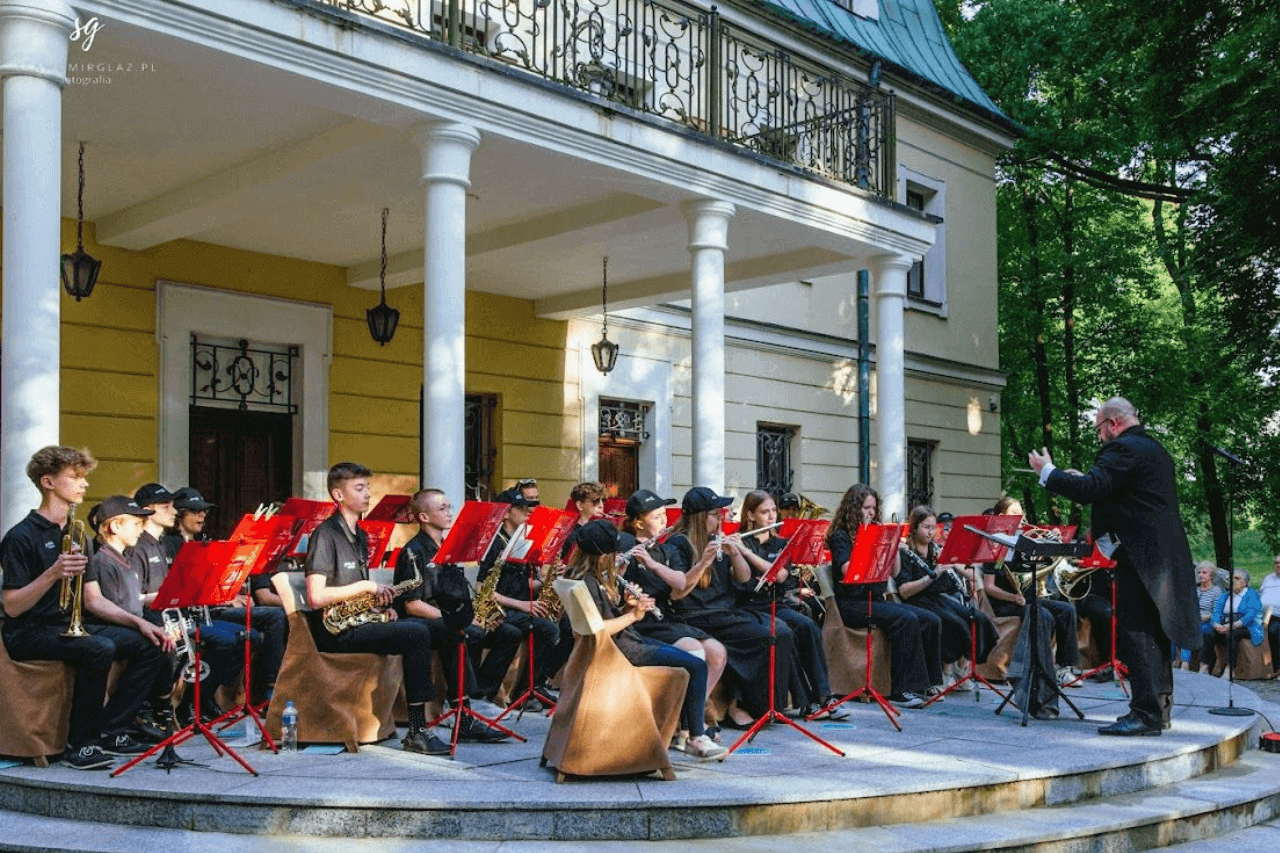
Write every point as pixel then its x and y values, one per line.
pixel 705 749
pixel 486 709
pixel 1067 677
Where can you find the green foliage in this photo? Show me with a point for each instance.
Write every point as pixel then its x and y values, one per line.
pixel 1139 234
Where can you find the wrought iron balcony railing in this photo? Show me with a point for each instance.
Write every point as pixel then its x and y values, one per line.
pixel 673 59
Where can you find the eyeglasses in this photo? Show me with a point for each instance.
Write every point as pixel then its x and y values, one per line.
pixel 520 484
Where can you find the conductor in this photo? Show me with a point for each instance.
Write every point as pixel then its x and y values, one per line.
pixel 1135 521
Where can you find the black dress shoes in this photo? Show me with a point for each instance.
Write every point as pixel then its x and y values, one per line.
pixel 1130 727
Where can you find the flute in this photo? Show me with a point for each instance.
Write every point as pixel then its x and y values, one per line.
pixel 636 592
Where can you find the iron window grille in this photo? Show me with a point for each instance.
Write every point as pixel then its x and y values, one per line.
pixel 249 378
pixel 919 474
pixel 623 421
pixel 773 458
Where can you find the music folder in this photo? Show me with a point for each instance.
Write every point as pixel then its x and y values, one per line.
pixel 805 547
pixel 965 546
pixel 472 532
pixel 875 553
pixel 276 533
pixel 207 573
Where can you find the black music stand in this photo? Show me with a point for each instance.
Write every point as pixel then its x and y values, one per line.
pixel 1035 551
pixel 870 564
pixel 797 543
pixel 202 574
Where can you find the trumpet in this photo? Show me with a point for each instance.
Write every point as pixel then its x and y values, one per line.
pixel 180 630
pixel 71 594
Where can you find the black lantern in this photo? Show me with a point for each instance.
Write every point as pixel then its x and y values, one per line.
pixel 604 351
pixel 80 271
pixel 382 318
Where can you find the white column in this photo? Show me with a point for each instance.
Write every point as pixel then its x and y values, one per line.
pixel 446 169
pixel 889 275
pixel 33 64
pixel 708 240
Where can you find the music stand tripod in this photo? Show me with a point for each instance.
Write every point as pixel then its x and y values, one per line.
pixel 1035 673
pixel 460 706
pixel 247 708
pixel 972 674
pixel 1117 666
pixel 772 714
pixel 177 591
pixel 531 692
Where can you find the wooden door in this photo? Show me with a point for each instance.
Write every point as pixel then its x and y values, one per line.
pixel 238 461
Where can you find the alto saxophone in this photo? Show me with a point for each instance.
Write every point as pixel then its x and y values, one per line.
pixel 547 595
pixel 363 608
pixel 488 613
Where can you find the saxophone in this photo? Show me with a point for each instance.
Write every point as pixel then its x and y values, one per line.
pixel 363 608
pixel 488 613
pixel 547 595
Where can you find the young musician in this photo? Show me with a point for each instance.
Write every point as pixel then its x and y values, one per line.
pixel 35 569
pixel 908 631
pixel 809 682
pixel 595 564
pixel 223 641
pixel 647 568
pixel 1008 600
pixel 434 515
pixel 113 602
pixel 789 505
pixel 338 570
pixel 191 510
pixel 528 489
pixel 588 500
pixel 552 641
pixel 941 590
pixel 715 568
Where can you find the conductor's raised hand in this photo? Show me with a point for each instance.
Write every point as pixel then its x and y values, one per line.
pixel 1039 460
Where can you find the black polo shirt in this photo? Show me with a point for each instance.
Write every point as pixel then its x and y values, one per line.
pixel 117 581
pixel 150 561
pixel 417 554
pixel 338 553
pixel 31 546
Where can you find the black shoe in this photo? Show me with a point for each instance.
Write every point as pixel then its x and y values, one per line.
pixel 87 758
pixel 425 743
pixel 1103 676
pixel 552 695
pixel 837 709
pixel 1130 726
pixel 474 732
pixel 121 744
pixel 147 734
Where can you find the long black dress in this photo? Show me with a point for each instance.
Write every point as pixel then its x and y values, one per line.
pixel 745 634
pixel 945 598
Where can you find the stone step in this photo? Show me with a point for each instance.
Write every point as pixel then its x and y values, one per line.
pixel 1201 814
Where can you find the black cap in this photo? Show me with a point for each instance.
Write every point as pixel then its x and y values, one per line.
pixel 152 493
pixel 702 499
pixel 626 542
pixel 789 500
pixel 113 506
pixel 512 496
pixel 646 501
pixel 944 517
pixel 598 537
pixel 189 499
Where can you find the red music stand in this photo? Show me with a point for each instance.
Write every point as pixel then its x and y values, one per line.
pixel 313 514
pixel 965 547
pixel 1097 561
pixel 871 562
pixel 202 575
pixel 545 528
pixel 466 542
pixel 806 541
pixel 263 541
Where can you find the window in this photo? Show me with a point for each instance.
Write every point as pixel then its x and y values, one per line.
pixel 919 473
pixel 773 458
pixel 480 449
pixel 927 280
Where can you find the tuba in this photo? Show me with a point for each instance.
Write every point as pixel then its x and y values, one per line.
pixel 71 594
pixel 810 509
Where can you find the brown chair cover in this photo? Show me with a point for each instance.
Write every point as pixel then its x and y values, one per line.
pixel 846 648
pixel 1253 663
pixel 1087 639
pixel 612 718
pixel 997 666
pixel 341 698
pixel 35 711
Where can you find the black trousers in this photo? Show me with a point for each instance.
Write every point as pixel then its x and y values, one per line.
pixel 502 644
pixel 272 624
pixel 906 644
pixel 955 617
pixel 1097 610
pixel 446 642
pixel 410 638
pixel 1143 645
pixel 810 666
pixel 745 635
pixel 1273 637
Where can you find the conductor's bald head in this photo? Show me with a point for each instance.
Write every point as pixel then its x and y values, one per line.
pixel 1118 408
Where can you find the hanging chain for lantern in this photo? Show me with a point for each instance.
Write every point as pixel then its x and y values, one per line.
pixel 80 270
pixel 382 318
pixel 604 351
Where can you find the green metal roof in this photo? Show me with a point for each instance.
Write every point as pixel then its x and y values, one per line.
pixel 909 35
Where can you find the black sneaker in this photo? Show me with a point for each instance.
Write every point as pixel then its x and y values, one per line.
pixel 145 729
pixel 87 758
pixel 121 744
pixel 474 732
pixel 425 743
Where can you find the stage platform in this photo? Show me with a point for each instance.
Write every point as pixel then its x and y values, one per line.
pixel 956 778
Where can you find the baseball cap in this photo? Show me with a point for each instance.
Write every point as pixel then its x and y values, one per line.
pixel 114 506
pixel 644 501
pixel 598 537
pixel 152 493
pixel 702 499
pixel 189 499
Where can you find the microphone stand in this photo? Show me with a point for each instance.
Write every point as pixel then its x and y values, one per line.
pixel 1231 710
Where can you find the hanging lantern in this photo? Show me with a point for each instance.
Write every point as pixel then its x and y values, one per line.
pixel 382 318
pixel 80 270
pixel 604 351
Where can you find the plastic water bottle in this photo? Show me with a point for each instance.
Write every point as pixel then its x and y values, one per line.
pixel 289 728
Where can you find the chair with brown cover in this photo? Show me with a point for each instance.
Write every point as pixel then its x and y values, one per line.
pixel 996 667
pixel 341 698
pixel 612 718
pixel 35 712
pixel 846 648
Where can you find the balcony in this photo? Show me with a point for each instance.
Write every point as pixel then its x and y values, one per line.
pixel 675 61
